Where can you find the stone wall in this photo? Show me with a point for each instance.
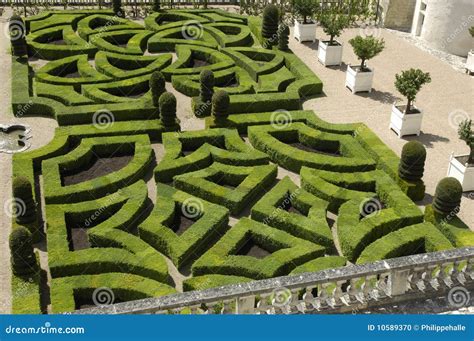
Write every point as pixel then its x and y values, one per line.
pixel 398 14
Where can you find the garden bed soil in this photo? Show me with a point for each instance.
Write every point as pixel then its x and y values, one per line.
pixel 250 248
pixel 402 109
pixel 99 167
pixel 181 224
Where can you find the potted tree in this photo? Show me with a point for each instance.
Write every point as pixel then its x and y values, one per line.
pixel 360 78
pixel 330 51
pixel 470 55
pixel 461 167
pixel 406 119
pixel 305 27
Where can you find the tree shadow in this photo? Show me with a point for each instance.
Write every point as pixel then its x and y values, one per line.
pixel 383 97
pixel 427 200
pixel 312 45
pixel 427 139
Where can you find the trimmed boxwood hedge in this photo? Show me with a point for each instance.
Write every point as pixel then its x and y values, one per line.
pixel 210 222
pixel 212 281
pixel 216 145
pixel 451 226
pixel 422 237
pixel 319 264
pixel 271 140
pixel 287 252
pixel 53 168
pixel 124 287
pixel 110 221
pixel 310 225
pixel 356 232
pixel 249 183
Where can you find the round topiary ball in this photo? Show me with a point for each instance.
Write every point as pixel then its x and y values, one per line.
pixel 25 206
pixel 220 104
pixel 157 86
pixel 207 81
pixel 167 104
pixel 447 197
pixel 22 258
pixel 412 162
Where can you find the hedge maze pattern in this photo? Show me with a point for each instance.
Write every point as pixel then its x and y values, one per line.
pixel 222 205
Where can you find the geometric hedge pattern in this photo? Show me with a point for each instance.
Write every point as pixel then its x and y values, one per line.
pixel 269 191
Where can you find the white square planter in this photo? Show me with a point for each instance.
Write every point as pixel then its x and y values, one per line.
pixel 359 81
pixel 470 62
pixel 461 172
pixel 305 32
pixel 405 124
pixel 329 55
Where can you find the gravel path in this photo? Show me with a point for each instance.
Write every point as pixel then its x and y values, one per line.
pixel 446 100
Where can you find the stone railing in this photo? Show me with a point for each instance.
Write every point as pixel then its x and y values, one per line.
pixel 355 287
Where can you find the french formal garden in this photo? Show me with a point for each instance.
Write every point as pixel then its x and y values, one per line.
pixel 267 189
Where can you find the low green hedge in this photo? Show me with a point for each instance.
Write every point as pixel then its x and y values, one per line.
pixel 119 66
pixel 54 168
pixel 212 281
pixel 173 38
pixel 272 140
pixel 119 287
pixel 310 225
pixel 210 222
pixel 110 221
pixel 40 47
pixel 355 232
pixel 135 40
pixel 287 252
pixel 451 226
pixel 319 264
pixel 163 20
pixel 406 241
pixel 221 145
pixel 248 182
pixel 101 24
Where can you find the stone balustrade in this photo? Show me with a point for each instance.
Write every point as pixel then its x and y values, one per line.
pixel 354 287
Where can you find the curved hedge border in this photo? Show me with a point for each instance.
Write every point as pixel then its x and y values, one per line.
pixel 405 241
pixel 139 145
pixel 319 264
pixel 115 249
pixel 311 225
pixel 269 140
pixel 287 252
pixel 249 182
pixel 216 145
pixel 210 222
pixel 125 287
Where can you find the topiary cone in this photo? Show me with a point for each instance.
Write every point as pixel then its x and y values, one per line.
pixel 220 105
pixel 167 104
pixel 270 21
pixel 206 81
pixel 22 257
pixel 447 197
pixel 25 205
pixel 412 162
pixel 283 37
pixel 157 86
